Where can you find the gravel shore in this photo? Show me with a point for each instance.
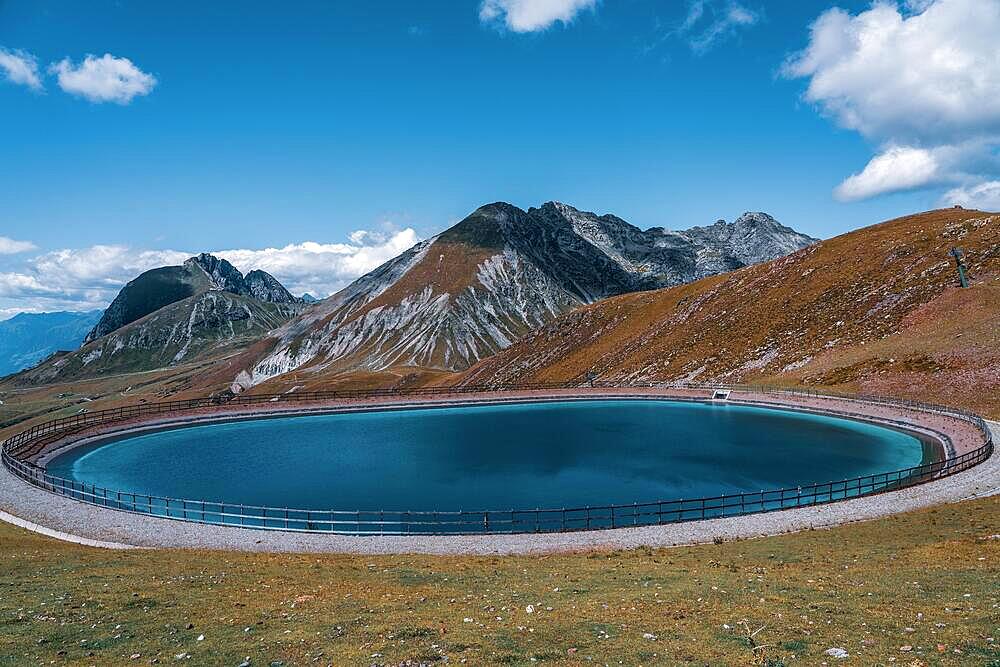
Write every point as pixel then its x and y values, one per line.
pixel 74 521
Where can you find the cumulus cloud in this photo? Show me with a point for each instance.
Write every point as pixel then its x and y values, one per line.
pixel 897 168
pixel 16 284
pixel 99 266
pixel 919 80
pixel 324 268
pixel 20 67
pixel 77 279
pixel 531 15
pixel 104 79
pixel 12 247
pixel 89 278
pixel 984 196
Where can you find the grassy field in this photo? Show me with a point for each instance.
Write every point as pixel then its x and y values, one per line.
pixel 916 589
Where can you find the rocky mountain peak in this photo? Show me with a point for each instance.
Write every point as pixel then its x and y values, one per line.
pixel 474 289
pixel 221 273
pixel 485 227
pixel 561 208
pixel 756 219
pixel 158 288
pixel 265 287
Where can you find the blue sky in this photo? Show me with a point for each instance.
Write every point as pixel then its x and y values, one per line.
pixel 290 123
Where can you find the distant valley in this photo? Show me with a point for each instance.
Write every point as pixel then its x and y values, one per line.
pixel 28 338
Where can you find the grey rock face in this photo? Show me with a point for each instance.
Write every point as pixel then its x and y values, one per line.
pixel 161 287
pixel 221 274
pixel 265 287
pixel 146 294
pixel 752 238
pixel 210 324
pixel 502 271
pixel 660 258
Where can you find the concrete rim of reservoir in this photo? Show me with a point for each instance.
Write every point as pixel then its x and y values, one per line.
pixel 63 517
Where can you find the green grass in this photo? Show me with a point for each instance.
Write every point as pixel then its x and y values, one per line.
pixel 858 587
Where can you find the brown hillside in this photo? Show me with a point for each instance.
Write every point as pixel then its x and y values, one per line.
pixel 878 309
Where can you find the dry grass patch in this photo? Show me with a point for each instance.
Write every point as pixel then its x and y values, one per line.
pixel 929 580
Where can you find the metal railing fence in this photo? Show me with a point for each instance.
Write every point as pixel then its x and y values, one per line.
pixel 18 449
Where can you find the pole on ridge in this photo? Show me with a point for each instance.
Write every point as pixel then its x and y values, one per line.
pixel 957 254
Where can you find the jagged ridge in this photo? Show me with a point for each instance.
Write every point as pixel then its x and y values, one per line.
pixel 476 288
pixel 202 310
pixel 877 310
pixel 163 286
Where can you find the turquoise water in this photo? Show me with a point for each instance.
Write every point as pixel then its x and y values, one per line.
pixel 549 455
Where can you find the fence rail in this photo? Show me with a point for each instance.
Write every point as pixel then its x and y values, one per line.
pixel 19 449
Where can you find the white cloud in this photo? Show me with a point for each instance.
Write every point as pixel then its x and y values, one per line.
pixel 919 80
pixel 897 168
pixel 21 68
pixel 985 196
pixel 89 278
pixel 531 15
pixel 104 79
pixel 17 284
pixel 11 247
pixel 77 279
pixel 721 22
pixel 324 268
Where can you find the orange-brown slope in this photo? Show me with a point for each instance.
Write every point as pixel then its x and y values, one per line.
pixel 876 309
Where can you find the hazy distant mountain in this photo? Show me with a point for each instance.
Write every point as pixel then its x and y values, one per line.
pixel 202 310
pixel 27 338
pixel 476 288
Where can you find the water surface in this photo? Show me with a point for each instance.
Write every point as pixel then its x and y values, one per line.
pixel 563 454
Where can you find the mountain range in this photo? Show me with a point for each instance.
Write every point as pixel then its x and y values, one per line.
pixel 163 286
pixel 441 306
pixel 173 315
pixel 27 338
pixel 476 288
pixel 877 310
